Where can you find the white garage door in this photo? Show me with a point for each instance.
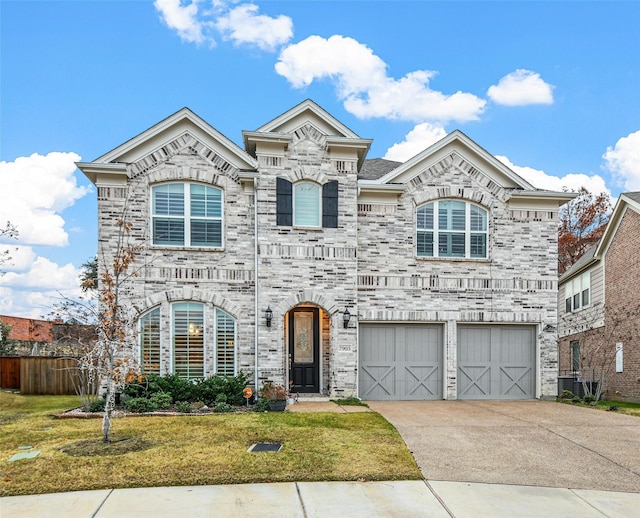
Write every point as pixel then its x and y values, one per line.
pixel 400 361
pixel 496 362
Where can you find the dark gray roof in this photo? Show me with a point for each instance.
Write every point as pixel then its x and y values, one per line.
pixel 376 168
pixel 584 259
pixel 635 196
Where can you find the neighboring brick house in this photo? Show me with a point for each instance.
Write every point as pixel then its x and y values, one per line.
pixel 298 260
pixel 25 333
pixel 599 307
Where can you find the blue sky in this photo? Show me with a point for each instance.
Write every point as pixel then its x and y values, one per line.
pixel 551 88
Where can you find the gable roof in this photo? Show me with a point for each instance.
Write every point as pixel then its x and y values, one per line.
pixel 181 124
pixel 375 168
pixel 627 201
pixel 304 112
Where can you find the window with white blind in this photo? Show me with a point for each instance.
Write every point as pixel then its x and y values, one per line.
pixel 187 214
pixel 150 342
pixel 225 344
pixel 188 339
pixel 307 203
pixel 451 228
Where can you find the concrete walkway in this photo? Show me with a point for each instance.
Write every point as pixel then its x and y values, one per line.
pixel 327 499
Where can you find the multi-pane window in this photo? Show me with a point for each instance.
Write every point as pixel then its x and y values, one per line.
pixel 188 339
pixel 225 344
pixel 451 228
pixel 150 342
pixel 577 292
pixel 186 214
pixel 307 204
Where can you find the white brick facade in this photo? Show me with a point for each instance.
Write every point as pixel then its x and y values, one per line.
pixel 368 264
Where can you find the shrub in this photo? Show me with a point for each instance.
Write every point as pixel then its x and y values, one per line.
pixel 184 407
pixel 162 400
pixel 210 389
pixel 181 389
pixel 146 387
pixel 589 399
pixel 223 407
pixel 97 405
pixel 139 405
pixel 272 392
pixel 262 405
pixel 566 394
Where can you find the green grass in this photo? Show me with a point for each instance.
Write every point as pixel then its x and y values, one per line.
pixel 194 450
pixel 621 407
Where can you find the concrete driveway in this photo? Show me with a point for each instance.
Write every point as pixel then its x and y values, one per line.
pixel 535 443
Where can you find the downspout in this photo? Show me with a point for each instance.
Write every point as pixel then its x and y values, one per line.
pixel 255 283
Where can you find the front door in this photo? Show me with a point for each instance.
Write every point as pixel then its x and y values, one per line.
pixel 304 350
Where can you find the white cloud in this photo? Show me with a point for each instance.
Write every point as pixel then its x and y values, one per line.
pixel 520 88
pixel 623 161
pixel 572 182
pixel 34 190
pixel 36 287
pixel 362 82
pixel 183 19
pixel 417 140
pixel 243 25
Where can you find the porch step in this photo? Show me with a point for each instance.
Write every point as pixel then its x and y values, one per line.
pixel 311 398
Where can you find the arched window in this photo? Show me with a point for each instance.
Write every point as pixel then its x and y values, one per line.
pixel 150 342
pixel 186 214
pixel 451 228
pixel 225 344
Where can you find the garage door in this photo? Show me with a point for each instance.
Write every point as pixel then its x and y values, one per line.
pixel 401 361
pixel 496 362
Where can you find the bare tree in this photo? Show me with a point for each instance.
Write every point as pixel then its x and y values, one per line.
pixel 598 344
pixel 8 232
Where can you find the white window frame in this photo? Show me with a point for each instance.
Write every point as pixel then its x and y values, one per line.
pixel 318 187
pixel 204 336
pixel 467 232
pixel 235 342
pixel 141 337
pixel 186 217
pixel 575 290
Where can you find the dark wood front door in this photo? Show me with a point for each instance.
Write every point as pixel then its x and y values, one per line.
pixel 304 349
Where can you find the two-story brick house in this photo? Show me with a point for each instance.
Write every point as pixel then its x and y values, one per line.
pixel 599 307
pixel 298 260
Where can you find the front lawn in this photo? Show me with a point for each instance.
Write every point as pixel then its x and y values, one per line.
pixel 191 450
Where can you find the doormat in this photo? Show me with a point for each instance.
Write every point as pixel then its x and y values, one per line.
pixel 265 446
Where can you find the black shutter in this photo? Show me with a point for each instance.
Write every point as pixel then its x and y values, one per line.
pixel 284 202
pixel 330 205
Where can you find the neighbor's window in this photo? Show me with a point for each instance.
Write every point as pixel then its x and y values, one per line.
pixel 307 204
pixel 451 228
pixel 150 342
pixel 577 292
pixel 575 356
pixel 187 214
pixel 188 339
pixel 225 344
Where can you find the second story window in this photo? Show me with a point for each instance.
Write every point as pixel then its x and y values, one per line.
pixel 577 293
pixel 306 204
pixel 187 214
pixel 451 228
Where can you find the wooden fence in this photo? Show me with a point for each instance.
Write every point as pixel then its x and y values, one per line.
pixel 39 374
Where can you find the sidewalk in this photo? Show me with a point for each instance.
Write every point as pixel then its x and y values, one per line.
pixel 327 499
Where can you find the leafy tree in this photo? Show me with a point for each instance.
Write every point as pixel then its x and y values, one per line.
pixel 7 345
pixel 582 223
pixel 89 275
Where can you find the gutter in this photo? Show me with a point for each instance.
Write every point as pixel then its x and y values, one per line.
pixel 255 283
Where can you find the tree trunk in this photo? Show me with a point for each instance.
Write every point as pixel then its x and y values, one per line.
pixel 108 410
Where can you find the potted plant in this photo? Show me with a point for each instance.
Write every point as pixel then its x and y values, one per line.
pixel 276 396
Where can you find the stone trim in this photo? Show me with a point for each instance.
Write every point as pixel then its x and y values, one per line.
pixel 440 283
pixel 182 143
pixel 187 293
pixel 493 317
pixel 307 296
pixel 309 252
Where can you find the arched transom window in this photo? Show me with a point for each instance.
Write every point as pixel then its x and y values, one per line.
pixel 451 228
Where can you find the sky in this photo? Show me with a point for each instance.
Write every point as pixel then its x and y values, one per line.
pixel 550 88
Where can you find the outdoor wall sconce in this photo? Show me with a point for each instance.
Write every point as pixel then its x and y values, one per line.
pixel 346 316
pixel 268 315
pixel 549 328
